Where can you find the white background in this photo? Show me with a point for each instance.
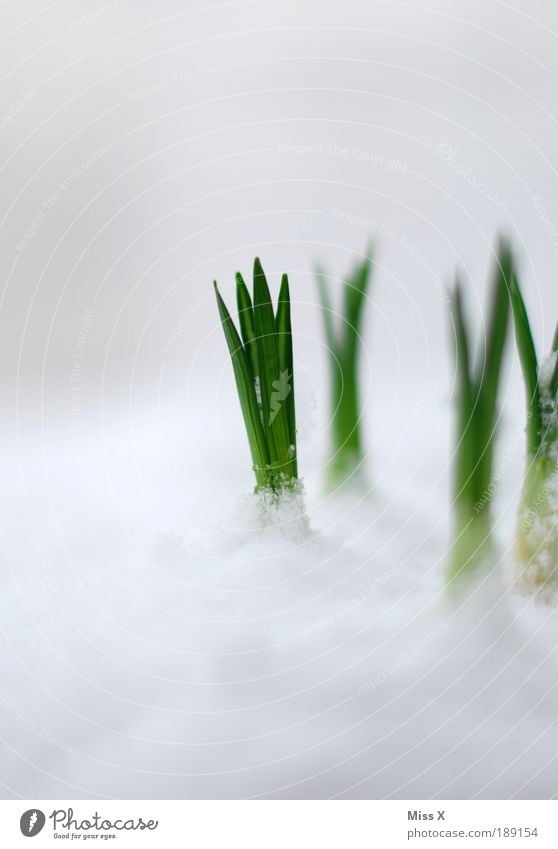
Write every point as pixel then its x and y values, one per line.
pixel 144 152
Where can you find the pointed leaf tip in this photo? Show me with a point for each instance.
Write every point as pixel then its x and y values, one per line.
pixel 284 289
pixel 220 301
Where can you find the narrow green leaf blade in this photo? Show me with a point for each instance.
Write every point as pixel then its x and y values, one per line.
pixel 355 293
pixel 529 366
pixel 246 319
pixel 285 352
pixel 466 399
pixel 327 312
pixel 245 388
pixel 344 348
pixel 355 298
pixel 490 365
pixel 554 378
pixel 272 382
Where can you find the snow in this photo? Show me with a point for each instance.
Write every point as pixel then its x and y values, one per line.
pixel 252 648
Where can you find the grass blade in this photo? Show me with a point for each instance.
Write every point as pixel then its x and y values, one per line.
pixel 490 366
pixel 327 312
pixel 344 347
pixel 245 388
pixel 466 400
pixel 285 354
pixel 355 296
pixel 477 413
pixel 273 384
pixel 246 320
pixel 529 366
pixel 554 378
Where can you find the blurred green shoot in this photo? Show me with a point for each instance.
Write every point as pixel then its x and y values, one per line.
pixel 478 380
pixel 344 342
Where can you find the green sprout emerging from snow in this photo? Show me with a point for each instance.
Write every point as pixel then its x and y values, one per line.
pixel 537 535
pixel 262 359
pixel 478 381
pixel 344 344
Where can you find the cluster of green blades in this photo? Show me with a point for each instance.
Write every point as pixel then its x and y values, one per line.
pixel 344 344
pixel 262 359
pixel 261 351
pixel 478 382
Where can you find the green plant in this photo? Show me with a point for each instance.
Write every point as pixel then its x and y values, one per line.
pixel 537 530
pixel 262 359
pixel 344 344
pixel 477 419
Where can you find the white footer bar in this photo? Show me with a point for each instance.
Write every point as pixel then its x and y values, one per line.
pixel 281 824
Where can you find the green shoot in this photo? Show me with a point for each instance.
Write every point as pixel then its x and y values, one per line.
pixel 262 360
pixel 477 403
pixel 344 343
pixel 537 534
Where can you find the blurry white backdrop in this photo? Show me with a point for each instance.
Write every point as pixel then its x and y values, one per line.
pixel 149 148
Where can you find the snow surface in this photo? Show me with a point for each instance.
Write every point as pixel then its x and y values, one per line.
pixel 244 649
